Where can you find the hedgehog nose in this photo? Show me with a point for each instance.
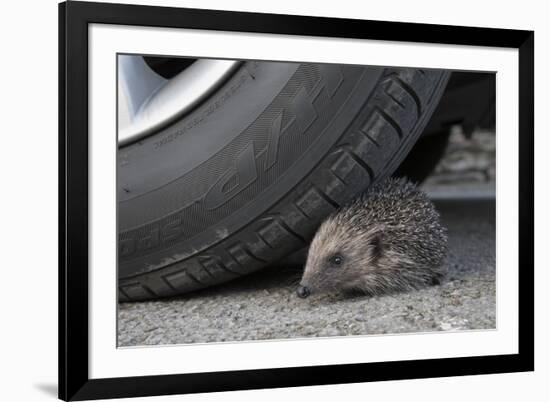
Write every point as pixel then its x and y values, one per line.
pixel 302 291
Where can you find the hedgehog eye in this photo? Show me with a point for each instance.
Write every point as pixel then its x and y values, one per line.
pixel 336 259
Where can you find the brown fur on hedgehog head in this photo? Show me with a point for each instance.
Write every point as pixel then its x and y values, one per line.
pixel 388 239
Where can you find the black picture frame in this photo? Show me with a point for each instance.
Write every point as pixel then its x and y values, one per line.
pixel 74 381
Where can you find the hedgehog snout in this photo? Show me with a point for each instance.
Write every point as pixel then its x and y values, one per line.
pixel 303 291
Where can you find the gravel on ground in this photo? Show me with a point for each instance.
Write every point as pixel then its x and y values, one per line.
pixel 264 305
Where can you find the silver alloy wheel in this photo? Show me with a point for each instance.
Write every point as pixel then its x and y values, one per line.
pixel 147 101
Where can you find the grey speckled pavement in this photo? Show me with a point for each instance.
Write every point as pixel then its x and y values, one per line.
pixel 265 306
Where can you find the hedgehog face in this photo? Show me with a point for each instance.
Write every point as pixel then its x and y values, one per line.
pixel 340 258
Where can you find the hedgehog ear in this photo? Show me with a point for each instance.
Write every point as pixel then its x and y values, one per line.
pixel 376 244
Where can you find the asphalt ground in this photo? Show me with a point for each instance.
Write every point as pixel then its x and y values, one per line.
pixel 264 305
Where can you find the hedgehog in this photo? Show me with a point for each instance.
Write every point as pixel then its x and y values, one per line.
pixel 388 239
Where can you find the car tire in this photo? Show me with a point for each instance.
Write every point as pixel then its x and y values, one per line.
pixel 246 178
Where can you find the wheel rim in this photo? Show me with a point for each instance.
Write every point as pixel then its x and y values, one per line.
pixel 147 101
